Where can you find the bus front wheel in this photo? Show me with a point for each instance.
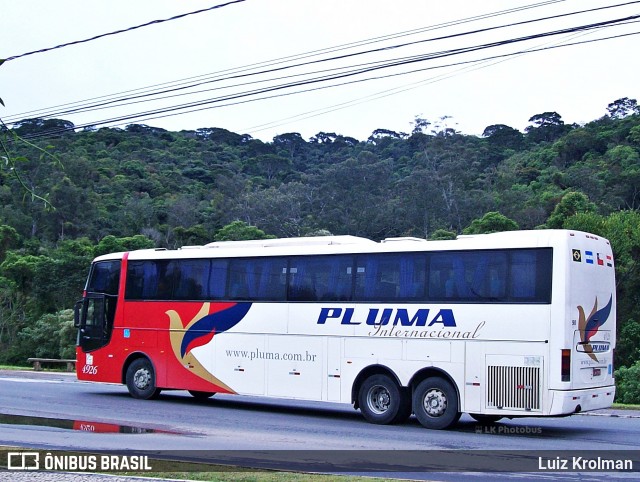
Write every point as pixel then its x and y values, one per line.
pixel 435 403
pixel 141 379
pixel 382 401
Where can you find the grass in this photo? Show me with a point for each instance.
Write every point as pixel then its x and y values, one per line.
pixel 60 368
pixel 11 367
pixel 625 406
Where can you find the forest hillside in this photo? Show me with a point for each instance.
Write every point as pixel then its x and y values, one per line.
pixel 67 195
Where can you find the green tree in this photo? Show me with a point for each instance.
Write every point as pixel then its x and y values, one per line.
pixel 547 127
pixel 504 137
pixel 8 239
pixel 442 235
pixel 111 244
pixel 621 108
pixel 194 235
pixel 571 203
pixel 13 316
pixel 492 222
pixel 628 344
pixel 628 384
pixel 51 336
pixel 240 231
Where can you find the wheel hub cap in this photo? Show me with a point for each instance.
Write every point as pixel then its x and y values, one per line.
pixel 379 399
pixel 435 403
pixel 142 378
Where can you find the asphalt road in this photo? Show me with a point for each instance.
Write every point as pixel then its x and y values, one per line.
pixel 56 412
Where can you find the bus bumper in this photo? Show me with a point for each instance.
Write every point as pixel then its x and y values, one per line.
pixel 564 402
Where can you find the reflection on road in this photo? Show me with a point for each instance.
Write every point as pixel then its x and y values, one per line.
pixel 81 425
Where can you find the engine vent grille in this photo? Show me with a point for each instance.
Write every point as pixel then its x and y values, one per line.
pixel 514 388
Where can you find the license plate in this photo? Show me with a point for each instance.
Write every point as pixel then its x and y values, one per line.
pixel 596 372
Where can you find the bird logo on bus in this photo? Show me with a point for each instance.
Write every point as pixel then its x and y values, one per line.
pixel 588 326
pixel 211 319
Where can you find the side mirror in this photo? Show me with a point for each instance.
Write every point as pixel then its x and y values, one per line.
pixel 76 313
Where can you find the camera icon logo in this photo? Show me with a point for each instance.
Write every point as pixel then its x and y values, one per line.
pixel 23 461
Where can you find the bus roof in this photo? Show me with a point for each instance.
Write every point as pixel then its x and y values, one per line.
pixel 354 245
pixel 306 241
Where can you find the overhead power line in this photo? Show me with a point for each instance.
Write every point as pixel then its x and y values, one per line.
pixel 297 83
pixel 465 67
pixel 135 27
pixel 198 107
pixel 186 89
pixel 235 98
pixel 250 69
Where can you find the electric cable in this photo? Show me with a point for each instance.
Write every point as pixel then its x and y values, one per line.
pixel 116 32
pixel 125 100
pixel 313 53
pixel 203 105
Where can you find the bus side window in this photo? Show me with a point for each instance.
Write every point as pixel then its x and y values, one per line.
pixel 272 279
pixel 238 280
pixel 191 279
pixel 304 278
pixel 320 278
pixel 166 277
pixel 489 275
pixel 366 277
pixel 339 279
pixel 438 276
pixel 142 280
pixel 257 279
pixel 389 277
pixel 530 275
pixel 448 277
pixel 218 279
pixel 413 268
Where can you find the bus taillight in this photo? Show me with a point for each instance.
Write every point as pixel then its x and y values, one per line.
pixel 565 370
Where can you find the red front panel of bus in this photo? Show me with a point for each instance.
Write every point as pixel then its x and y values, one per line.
pixel 166 333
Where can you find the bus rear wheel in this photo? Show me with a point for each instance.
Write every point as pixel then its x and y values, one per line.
pixel 382 401
pixel 435 403
pixel 141 380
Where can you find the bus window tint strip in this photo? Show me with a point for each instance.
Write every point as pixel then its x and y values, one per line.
pixel 487 276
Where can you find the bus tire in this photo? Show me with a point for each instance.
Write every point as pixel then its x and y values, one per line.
pixel 382 401
pixel 198 395
pixel 435 403
pixel 141 379
pixel 485 419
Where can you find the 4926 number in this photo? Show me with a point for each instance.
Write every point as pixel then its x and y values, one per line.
pixel 90 370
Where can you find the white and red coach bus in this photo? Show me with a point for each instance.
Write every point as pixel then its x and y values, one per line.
pixel 500 325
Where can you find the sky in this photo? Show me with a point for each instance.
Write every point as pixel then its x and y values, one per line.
pixel 244 38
